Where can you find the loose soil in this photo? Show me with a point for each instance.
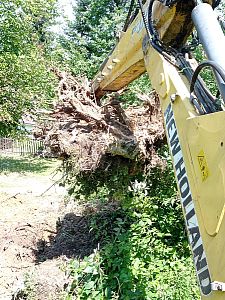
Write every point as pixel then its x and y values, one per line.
pixel 39 233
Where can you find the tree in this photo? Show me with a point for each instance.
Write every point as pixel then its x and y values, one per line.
pixel 25 80
pixel 89 38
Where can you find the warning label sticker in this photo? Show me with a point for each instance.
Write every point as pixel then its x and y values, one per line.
pixel 203 165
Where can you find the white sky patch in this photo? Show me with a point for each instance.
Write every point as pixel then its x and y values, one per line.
pixel 67 8
pixel 66 12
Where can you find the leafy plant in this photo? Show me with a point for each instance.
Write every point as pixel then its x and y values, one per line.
pixel 101 185
pixel 143 250
pixel 87 278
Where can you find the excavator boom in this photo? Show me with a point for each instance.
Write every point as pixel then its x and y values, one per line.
pixel 126 62
pixel 194 119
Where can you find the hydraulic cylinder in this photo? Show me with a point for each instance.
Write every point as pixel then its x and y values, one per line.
pixel 212 38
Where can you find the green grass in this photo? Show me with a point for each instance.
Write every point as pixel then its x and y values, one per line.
pixel 24 165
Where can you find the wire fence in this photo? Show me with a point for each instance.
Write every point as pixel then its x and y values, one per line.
pixel 23 147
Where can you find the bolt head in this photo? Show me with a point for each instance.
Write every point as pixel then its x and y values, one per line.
pixel 173 97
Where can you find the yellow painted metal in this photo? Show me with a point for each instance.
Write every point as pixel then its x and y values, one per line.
pixel 207 134
pixel 130 63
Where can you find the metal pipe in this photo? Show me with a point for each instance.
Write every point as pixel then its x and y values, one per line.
pixel 211 37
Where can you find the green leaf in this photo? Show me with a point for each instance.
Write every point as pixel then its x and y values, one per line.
pixel 89 285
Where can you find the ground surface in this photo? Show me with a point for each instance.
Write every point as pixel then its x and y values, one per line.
pixel 38 231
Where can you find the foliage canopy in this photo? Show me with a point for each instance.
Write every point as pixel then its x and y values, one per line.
pixel 92 34
pixel 25 79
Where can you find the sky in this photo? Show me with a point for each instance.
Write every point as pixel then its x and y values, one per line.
pixel 65 6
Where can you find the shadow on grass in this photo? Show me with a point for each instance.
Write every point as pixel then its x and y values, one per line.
pixel 24 164
pixel 78 237
pixel 73 239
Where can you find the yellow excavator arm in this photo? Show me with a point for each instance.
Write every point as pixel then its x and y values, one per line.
pixel 194 119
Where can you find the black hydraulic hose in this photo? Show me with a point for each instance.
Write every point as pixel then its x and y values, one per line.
pixel 204 64
pixel 152 29
pixel 205 98
pixel 197 106
pixel 150 32
pixel 216 3
pixel 144 19
pixel 127 22
pixel 203 94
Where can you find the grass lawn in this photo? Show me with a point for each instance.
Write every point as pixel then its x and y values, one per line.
pixel 27 164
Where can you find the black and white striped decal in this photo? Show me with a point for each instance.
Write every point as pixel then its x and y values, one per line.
pixel 188 205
